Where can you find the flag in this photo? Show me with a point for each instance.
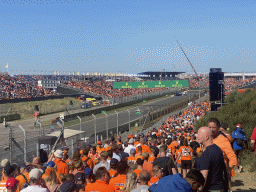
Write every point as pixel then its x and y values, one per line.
pixel 6 66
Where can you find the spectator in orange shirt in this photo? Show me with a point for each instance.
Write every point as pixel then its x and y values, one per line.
pixel 157 174
pixel 100 147
pixel 24 176
pixel 178 161
pixel 185 154
pixel 94 155
pixel 101 185
pixel 118 182
pixel 139 152
pixel 152 155
pixel 132 158
pixel 146 165
pixel 62 167
pixel 87 161
pixel 4 163
pixel 113 169
pixel 139 168
pixel 9 172
pixel 175 143
pixel 144 147
pixel 131 182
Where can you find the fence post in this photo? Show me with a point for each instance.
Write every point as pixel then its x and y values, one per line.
pixel 116 123
pixel 25 143
pixel 106 123
pixel 94 128
pixel 72 146
pixel 80 123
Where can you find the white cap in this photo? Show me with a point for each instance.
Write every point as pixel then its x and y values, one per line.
pixel 35 173
pixel 58 153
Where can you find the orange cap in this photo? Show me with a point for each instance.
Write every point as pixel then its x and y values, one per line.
pixel 99 142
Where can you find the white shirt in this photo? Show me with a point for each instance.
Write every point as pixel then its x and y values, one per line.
pixel 34 188
pixel 128 149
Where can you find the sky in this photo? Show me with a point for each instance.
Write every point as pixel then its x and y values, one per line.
pixel 129 36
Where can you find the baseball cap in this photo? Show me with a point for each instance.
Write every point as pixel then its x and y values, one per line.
pixel 11 183
pixel 99 142
pixel 79 179
pixel 130 136
pixel 132 151
pixel 131 141
pixel 5 162
pixel 50 164
pixel 68 186
pixel 35 173
pixel 87 171
pixel 239 125
pixel 113 162
pixel 58 153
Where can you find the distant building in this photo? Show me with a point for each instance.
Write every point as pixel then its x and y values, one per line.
pixel 52 84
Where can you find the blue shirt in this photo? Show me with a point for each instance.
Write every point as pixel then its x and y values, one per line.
pixel 171 183
pixel 238 134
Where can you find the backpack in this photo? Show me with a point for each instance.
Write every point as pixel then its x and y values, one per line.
pixel 26 184
pixel 239 142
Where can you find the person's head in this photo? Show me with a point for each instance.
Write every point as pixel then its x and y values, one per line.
pixel 104 155
pixel 58 154
pixel 122 167
pixel 99 143
pixel 162 141
pixel 153 151
pixel 132 152
pixel 238 126
pixel 144 177
pixel 145 156
pixel 78 165
pixel 119 147
pixel 12 184
pixel 70 177
pixel 114 148
pixel 24 168
pixel 9 171
pixel 36 160
pixel 185 142
pixel 35 176
pixel 110 154
pixel 204 136
pixel 131 141
pixel 93 150
pixel 139 149
pixel 139 162
pixel 113 163
pixel 214 125
pixel 157 171
pixel 131 181
pixel 50 176
pixel 5 162
pixel 102 174
pixel 86 151
pixel 162 150
pixel 224 126
pixel 195 179
pixel 142 141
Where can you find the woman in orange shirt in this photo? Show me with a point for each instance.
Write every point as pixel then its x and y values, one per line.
pixel 185 155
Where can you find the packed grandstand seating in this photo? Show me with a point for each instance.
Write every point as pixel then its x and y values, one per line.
pixel 26 86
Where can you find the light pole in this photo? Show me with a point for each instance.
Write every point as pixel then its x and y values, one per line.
pixel 95 128
pixel 129 120
pixel 106 123
pixel 116 123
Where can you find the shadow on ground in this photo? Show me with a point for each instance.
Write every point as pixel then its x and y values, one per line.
pixel 237 183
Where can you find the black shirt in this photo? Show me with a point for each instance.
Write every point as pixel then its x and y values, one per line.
pixel 166 163
pixel 213 161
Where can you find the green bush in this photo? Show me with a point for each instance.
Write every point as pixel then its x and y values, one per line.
pixel 10 117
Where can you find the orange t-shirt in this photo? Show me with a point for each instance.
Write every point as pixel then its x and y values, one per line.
pixel 148 166
pixel 90 162
pixel 199 149
pixel 185 152
pixel 151 159
pixel 175 144
pixel 137 171
pixel 62 167
pixel 131 159
pixel 139 157
pixel 144 149
pixel 99 150
pixel 22 180
pixel 172 148
pixel 136 143
pixel 152 181
pixel 112 173
pixel 99 186
pixel 118 182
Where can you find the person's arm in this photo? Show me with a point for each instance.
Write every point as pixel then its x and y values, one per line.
pixel 252 145
pixel 205 174
pixel 34 165
pixel 174 171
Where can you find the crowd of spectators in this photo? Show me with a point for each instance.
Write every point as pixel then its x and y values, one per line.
pixel 172 157
pixel 22 87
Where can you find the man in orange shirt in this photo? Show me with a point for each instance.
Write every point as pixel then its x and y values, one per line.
pixel 87 161
pixel 157 174
pixel 62 167
pixel 152 155
pixel 100 147
pixel 94 155
pixel 146 165
pixel 143 146
pixel 113 169
pixel 24 176
pixel 9 172
pixel 101 185
pixel 132 158
pixel 118 182
pixel 139 168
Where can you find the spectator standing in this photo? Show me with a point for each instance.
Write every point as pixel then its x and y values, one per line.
pixel 24 176
pixel 157 174
pixel 166 163
pixel 35 181
pixel 212 164
pixel 144 178
pixel 253 139
pixel 8 173
pixel 12 184
pixel 103 162
pixel 121 153
pixel 146 165
pixel 130 146
pixel 62 167
pixel 130 182
pixel 139 168
pixel 239 138
pixel 113 169
pixel 114 150
pixel 132 158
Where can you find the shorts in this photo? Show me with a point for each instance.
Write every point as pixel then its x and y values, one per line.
pixel 186 164
pixel 178 165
